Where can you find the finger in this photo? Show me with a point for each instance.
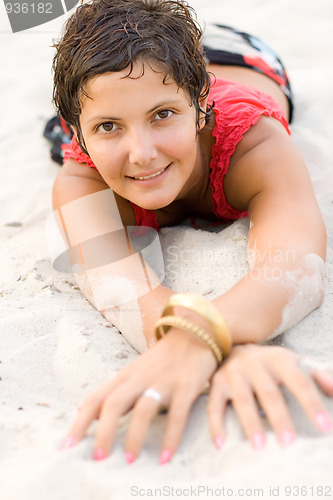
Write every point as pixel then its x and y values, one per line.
pixel 217 404
pixel 320 373
pixel 89 411
pixel 274 405
pixel 246 408
pixel 324 379
pixel 113 407
pixel 305 391
pixel 179 410
pixel 144 411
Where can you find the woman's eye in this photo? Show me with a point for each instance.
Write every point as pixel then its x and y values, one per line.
pixel 106 127
pixel 162 115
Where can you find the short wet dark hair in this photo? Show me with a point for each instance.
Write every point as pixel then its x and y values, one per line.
pixel 111 35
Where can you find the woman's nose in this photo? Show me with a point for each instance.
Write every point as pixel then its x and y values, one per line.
pixel 142 149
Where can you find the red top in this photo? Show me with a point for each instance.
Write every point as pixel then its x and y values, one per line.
pixel 236 108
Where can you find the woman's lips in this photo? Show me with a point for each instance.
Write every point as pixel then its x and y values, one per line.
pixel 143 178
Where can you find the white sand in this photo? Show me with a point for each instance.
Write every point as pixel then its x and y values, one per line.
pixel 55 348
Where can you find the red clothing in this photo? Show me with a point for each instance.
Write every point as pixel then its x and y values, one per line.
pixel 236 108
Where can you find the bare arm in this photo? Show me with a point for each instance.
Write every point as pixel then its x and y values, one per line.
pixel 85 220
pixel 287 238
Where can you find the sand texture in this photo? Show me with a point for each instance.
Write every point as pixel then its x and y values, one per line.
pixel 55 347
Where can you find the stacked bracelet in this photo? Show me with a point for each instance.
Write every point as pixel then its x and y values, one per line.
pixel 207 311
pixel 220 345
pixel 188 326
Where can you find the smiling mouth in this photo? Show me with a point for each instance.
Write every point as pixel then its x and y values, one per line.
pixel 150 176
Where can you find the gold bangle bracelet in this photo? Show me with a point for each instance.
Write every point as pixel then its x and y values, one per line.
pixel 188 326
pixel 207 311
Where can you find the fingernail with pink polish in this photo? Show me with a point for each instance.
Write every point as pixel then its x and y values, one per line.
pixel 287 437
pixel 219 442
pixel 99 454
pixel 258 441
pixel 130 457
pixel 68 443
pixel 324 421
pixel 165 456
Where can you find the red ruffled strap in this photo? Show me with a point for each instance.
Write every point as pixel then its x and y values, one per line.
pixel 75 152
pixel 145 217
pixel 237 109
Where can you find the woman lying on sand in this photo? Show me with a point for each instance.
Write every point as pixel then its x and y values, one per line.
pixel 166 128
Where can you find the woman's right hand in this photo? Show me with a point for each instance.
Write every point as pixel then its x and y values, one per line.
pixel 177 367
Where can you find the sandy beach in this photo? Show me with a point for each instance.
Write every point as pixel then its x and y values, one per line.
pixel 55 347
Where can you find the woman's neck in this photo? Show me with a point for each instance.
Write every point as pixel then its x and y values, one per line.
pixel 198 193
pixel 197 199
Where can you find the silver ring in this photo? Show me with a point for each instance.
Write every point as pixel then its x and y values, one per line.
pixel 151 393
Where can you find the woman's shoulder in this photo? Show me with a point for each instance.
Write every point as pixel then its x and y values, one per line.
pixel 237 110
pixel 227 92
pixel 237 107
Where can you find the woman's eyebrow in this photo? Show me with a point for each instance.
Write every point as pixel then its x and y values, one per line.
pixel 102 118
pixel 113 118
pixel 162 104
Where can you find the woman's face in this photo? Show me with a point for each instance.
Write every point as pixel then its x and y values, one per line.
pixel 141 134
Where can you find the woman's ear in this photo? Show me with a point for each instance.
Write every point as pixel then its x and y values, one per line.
pixel 202 112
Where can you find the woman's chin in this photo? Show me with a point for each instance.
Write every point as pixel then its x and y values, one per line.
pixel 154 205
pixel 154 202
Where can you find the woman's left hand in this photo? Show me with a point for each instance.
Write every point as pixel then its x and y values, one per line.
pixel 254 372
